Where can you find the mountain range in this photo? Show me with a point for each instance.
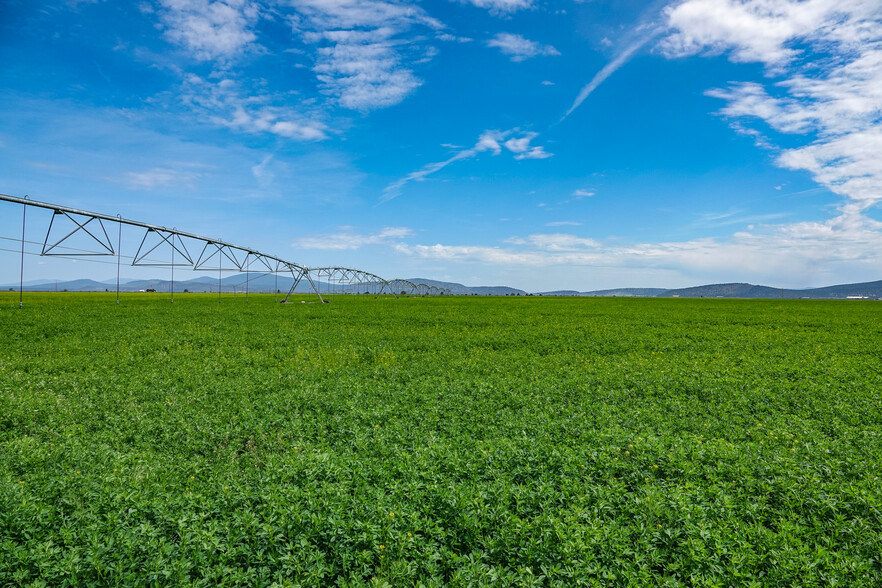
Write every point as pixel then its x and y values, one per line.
pixel 267 283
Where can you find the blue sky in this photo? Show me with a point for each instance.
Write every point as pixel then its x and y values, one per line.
pixel 542 145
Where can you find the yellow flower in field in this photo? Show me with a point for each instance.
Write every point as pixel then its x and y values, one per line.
pixel 409 535
pixel 392 515
pixel 627 453
pixel 382 547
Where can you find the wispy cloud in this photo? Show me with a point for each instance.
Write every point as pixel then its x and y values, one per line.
pixel 554 242
pixel 208 29
pixel 501 6
pixel 224 104
pixel 263 173
pixel 452 38
pixel 158 177
pixel 518 48
pixel 347 238
pixel 563 224
pixel 492 141
pixel 576 196
pixel 736 217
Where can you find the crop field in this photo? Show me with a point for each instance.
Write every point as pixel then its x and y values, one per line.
pixel 439 442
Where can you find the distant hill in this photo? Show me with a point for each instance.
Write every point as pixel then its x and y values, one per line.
pixel 459 289
pixel 259 283
pixel 726 291
pixel 866 289
pixel 626 292
pixel 560 293
pixel 70 286
pixel 237 283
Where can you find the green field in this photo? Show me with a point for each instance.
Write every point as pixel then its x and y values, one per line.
pixel 439 441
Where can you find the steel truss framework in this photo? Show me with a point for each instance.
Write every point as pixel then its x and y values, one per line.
pixel 214 254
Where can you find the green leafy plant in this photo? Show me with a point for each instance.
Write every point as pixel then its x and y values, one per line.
pixel 439 441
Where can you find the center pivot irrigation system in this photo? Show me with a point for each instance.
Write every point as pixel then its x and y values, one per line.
pixel 214 254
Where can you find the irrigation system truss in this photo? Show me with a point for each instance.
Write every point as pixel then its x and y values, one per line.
pixel 194 252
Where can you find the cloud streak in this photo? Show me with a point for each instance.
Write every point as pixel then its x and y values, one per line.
pixel 490 141
pixel 347 239
pixel 609 69
pixel 159 177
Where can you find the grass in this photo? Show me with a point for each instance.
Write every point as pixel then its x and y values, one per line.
pixel 439 441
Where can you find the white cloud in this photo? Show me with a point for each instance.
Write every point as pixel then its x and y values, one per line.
pixel 220 29
pixel 518 48
pixel 364 49
pixel 826 59
pixel 159 177
pixel 563 224
pixel 491 140
pixel 501 6
pixel 848 165
pixel 577 195
pixel 763 31
pixel 262 172
pixel 347 239
pixel 782 255
pixel 364 76
pixel 452 38
pixel 223 104
pixel 554 241
pixel 538 152
pixel 520 146
pixel 547 83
